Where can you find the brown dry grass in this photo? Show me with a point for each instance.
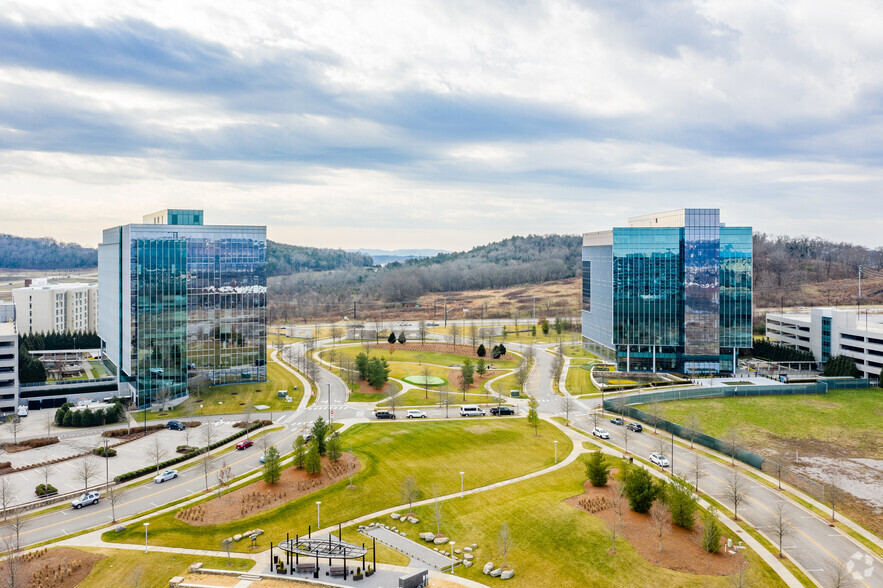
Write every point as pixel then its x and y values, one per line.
pixel 61 567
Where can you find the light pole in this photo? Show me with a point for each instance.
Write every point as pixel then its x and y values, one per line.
pixel 556 451
pixel 452 557
pixel 318 514
pixel 145 536
pixel 461 483
pixel 107 479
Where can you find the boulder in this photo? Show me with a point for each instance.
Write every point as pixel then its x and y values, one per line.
pixel 120 528
pixel 414 520
pixel 457 551
pixel 496 573
pixel 403 534
pixel 395 516
pixel 258 532
pixel 507 574
pixel 440 540
pixel 468 556
pixel 475 546
pixel 237 537
pixel 427 536
pixel 467 549
pixel 468 563
pixel 488 567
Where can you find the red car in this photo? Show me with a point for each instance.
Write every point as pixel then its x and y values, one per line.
pixel 244 444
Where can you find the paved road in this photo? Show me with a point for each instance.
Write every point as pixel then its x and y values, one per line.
pixel 814 545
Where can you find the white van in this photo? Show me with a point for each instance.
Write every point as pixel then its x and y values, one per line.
pixel 468 410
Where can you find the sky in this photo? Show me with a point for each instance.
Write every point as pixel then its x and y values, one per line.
pixel 440 124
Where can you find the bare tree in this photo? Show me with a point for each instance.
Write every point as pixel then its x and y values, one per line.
pixel 504 541
pixel 733 439
pixel 567 404
pixel 225 476
pixel 136 577
pixel 655 410
pixel 661 517
pixel 596 417
pixel 437 509
pixel 780 525
pixel 7 494
pixel 735 492
pixel 837 576
pixel 12 564
pixel 778 468
pixel 409 491
pixel 156 452
pixel 693 424
pixel 473 334
pixel 391 395
pixel 162 397
pixel 455 334
pixel 696 470
pixel 617 501
pixel 523 372
pixel 208 436
pixel 626 435
pixel 87 469
pixel 662 444
pixel 834 495
pixel 112 496
pixel 426 375
pixel 15 425
pixel 46 471
pixel 246 417
pixel 739 578
pixel 421 331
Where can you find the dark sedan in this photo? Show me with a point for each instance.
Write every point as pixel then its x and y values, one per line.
pixel 501 410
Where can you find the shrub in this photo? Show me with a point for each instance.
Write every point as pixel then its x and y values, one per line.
pixel 300 452
pixel 481 352
pixel 639 489
pixel 5 465
pixel 597 469
pixel 34 443
pixel 185 449
pixel 99 451
pixel 313 463
pixel 68 420
pixel 402 339
pixel 272 467
pixel 45 489
pixel 545 326
pixel 711 533
pixel 678 496
pixel 192 424
pixel 135 430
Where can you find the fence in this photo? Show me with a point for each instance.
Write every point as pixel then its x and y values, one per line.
pixel 622 406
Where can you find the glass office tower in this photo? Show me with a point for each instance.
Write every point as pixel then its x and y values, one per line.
pixel 182 302
pixel 670 292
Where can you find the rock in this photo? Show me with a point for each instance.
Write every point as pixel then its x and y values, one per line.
pixel 120 528
pixel 468 556
pixel 440 540
pixel 488 567
pixel 457 551
pixel 475 546
pixel 195 567
pixel 496 573
pixel 467 563
pixel 395 516
pixel 507 574
pixel 414 520
pixel 467 549
pixel 259 532
pixel 227 541
pixel 237 537
pixel 403 534
pixel 427 536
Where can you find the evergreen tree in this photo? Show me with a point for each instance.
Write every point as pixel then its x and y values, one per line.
pixel 68 419
pixel 597 470
pixel 392 338
pixel 679 498
pixel 545 326
pixel 840 366
pixel 300 452
pixel 272 467
pixel 333 447
pixel 480 367
pixel 77 420
pixel 502 350
pixel 402 337
pixel 533 416
pixel 711 533
pixel 481 351
pixel 378 372
pixel 319 432
pixel 639 489
pixel 313 463
pixel 362 365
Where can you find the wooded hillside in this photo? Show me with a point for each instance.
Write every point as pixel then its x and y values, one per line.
pixel 44 254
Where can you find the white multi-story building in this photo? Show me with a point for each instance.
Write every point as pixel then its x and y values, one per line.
pixel 8 367
pixel 7 311
pixel 827 332
pixel 48 308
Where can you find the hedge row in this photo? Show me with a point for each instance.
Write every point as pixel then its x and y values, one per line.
pixel 134 430
pixel 33 443
pixel 176 460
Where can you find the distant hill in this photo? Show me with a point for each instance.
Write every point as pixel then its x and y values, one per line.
pixel 385 256
pixel 285 259
pixel 44 254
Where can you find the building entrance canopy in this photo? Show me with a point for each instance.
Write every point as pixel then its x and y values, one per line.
pixel 330 547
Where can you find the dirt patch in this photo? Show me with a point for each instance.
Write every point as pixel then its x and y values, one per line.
pixel 260 496
pixel 478 429
pixel 61 567
pixel 680 548
pixel 440 583
pixel 214 580
pixel 282 584
pixel 465 350
pixel 366 388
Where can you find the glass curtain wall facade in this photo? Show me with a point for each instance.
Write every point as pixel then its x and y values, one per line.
pixel 680 289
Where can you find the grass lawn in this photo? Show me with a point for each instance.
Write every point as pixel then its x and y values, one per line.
pixel 418 398
pixel 122 566
pixel 417 357
pixel 579 351
pixel 231 395
pixel 274 339
pixel 431 451
pixel 554 544
pixel 579 381
pixel 505 385
pixel 850 417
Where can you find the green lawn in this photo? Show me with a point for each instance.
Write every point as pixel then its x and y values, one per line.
pixel 849 417
pixel 232 398
pixel 554 544
pixel 432 451
pixel 579 381
pixel 417 357
pixel 121 566
pixel 417 397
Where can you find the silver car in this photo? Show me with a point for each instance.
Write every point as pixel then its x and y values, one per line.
pixel 86 499
pixel 659 459
pixel 166 475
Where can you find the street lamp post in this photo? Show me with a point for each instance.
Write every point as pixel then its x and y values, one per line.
pixel 318 514
pixel 556 451
pixel 461 483
pixel 145 536
pixel 452 557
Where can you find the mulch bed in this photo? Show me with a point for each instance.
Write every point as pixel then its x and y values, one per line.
pixel 61 567
pixel 434 347
pixel 30 444
pixel 260 496
pixel 681 551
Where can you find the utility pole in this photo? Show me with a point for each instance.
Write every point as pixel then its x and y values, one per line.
pixel 446 312
pixel 354 310
pixel 329 403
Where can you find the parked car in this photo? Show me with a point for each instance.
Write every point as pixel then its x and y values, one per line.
pixel 659 459
pixel 616 421
pixel 263 457
pixel 166 475
pixel 501 410
pixel 468 410
pixel 636 427
pixel 176 425
pixel 86 499
pixel 431 324
pixel 307 437
pixel 599 432
pixel 413 413
pixel 384 414
pixel 244 444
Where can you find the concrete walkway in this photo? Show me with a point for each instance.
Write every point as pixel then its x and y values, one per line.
pixel 434 559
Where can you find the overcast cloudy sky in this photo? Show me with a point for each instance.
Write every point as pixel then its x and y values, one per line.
pixel 440 124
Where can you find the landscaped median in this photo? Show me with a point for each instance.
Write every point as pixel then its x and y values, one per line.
pixel 433 452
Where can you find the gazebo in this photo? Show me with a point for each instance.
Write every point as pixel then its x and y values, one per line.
pixel 309 548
